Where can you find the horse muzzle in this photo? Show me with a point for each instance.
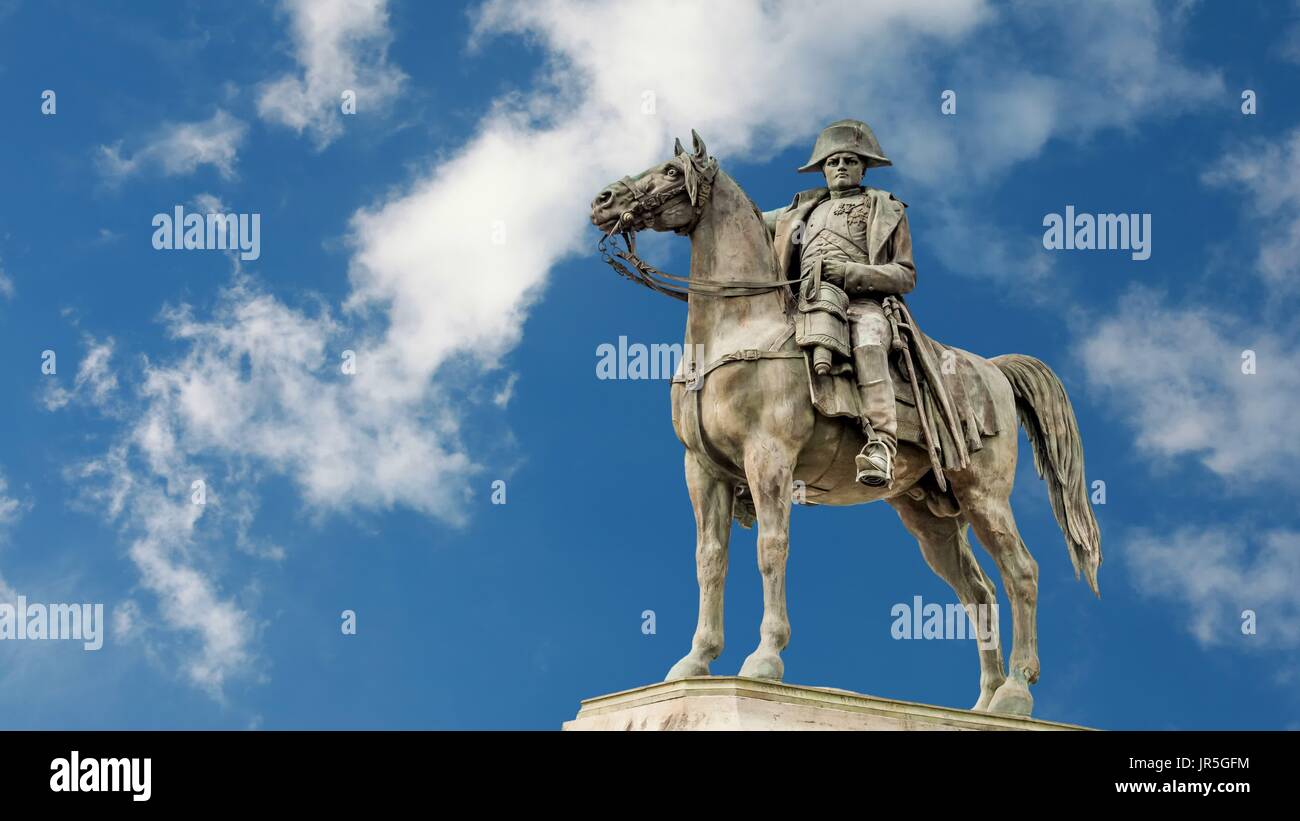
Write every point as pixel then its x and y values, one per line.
pixel 610 220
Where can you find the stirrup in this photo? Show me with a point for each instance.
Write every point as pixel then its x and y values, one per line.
pixel 877 469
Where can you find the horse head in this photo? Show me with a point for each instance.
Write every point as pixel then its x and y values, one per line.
pixel 667 196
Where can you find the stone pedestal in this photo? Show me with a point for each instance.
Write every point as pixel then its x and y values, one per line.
pixel 733 703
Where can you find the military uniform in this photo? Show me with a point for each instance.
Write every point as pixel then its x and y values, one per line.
pixel 866 230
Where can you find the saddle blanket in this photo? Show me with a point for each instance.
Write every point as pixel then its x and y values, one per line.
pixel 836 394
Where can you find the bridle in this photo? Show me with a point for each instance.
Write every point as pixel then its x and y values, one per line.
pixel 643 210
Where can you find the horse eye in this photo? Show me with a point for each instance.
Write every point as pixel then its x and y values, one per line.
pixel 670 172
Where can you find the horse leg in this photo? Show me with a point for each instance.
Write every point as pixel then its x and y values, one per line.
pixel 770 474
pixel 945 548
pixel 996 528
pixel 712 499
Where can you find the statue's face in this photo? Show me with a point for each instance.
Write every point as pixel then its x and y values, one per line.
pixel 843 171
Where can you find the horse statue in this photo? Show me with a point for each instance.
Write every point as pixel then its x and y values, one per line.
pixel 750 428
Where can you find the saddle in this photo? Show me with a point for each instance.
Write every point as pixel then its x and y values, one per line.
pixel 836 394
pixel 969 396
pixel 944 406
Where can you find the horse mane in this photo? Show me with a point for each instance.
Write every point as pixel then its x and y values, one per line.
pixel 787 294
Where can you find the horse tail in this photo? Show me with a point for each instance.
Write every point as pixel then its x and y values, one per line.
pixel 1047 416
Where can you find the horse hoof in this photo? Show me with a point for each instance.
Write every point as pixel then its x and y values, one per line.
pixel 688 667
pixel 987 691
pixel 763 665
pixel 1012 698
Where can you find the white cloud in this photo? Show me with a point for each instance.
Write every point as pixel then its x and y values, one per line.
pixel 340 45
pixel 504 394
pixel 1269 172
pixel 179 148
pixel 1175 376
pixel 1213 575
pixel 126 620
pixel 11 509
pixel 1175 372
pixel 6 284
pixel 260 389
pixel 263 380
pixel 96 380
pixel 157 512
pixel 209 203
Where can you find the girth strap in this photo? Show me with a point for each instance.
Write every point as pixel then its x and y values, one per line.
pixel 693 427
pixel 746 355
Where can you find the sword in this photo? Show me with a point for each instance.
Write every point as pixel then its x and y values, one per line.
pixel 900 344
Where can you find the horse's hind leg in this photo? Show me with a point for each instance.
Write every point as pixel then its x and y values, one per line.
pixel 712 499
pixel 945 548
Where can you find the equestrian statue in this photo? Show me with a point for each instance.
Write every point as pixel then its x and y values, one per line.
pixel 809 380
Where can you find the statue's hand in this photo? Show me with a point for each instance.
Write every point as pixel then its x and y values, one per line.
pixel 833 271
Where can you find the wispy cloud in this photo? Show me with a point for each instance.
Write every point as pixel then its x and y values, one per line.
pixel 11 509
pixel 1176 376
pixel 340 45
pixel 1214 574
pixel 157 512
pixel 6 283
pixel 1268 171
pixel 96 380
pixel 1208 383
pixel 178 148
pixel 262 380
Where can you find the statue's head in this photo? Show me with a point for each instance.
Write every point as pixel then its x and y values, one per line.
pixel 844 151
pixel 844 170
pixel 667 196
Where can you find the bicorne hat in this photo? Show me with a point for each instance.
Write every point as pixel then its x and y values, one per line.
pixel 846 135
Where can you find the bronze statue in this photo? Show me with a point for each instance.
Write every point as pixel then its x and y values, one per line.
pixel 774 408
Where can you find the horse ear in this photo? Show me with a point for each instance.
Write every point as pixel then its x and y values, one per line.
pixel 677 148
pixel 700 152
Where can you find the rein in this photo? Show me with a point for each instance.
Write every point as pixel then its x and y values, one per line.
pixel 643 273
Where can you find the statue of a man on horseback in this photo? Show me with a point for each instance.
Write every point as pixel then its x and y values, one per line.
pixel 857 239
pixel 769 405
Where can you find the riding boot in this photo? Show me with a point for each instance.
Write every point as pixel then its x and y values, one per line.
pixel 875 463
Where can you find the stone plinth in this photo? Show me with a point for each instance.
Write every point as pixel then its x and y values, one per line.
pixel 733 703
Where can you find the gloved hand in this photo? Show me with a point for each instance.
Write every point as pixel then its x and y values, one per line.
pixel 833 271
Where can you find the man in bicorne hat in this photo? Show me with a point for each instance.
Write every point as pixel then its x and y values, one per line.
pixel 860 237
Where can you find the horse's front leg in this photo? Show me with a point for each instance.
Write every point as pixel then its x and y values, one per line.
pixel 770 471
pixel 712 499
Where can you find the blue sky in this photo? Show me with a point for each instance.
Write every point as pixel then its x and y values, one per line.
pixel 440 233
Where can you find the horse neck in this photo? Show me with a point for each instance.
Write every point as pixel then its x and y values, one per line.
pixel 731 244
